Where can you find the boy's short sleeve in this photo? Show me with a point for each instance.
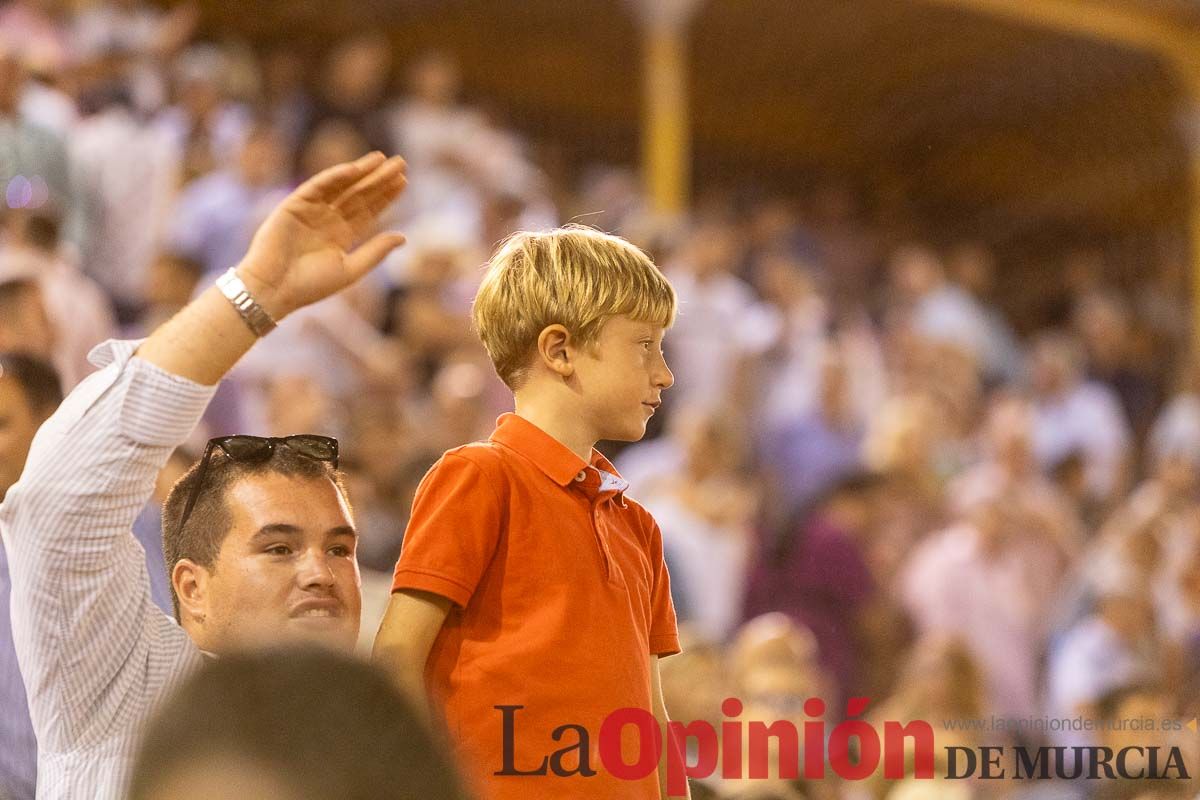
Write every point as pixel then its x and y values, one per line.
pixel 452 532
pixel 664 631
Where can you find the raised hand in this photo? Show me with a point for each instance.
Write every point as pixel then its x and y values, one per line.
pixel 305 250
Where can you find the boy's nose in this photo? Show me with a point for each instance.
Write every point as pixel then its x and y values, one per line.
pixel 664 379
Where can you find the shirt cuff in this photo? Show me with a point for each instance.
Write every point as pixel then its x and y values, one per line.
pixel 423 581
pixel 664 645
pixel 158 408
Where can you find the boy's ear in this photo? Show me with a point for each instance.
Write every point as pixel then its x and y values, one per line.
pixel 553 350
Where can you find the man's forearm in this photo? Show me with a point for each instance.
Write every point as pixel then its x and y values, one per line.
pixel 202 342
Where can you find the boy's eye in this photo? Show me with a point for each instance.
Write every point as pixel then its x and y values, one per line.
pixel 279 550
pixel 339 550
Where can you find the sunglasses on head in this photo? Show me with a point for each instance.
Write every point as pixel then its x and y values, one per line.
pixel 253 449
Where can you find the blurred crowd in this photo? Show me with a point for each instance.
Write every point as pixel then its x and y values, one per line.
pixel 869 484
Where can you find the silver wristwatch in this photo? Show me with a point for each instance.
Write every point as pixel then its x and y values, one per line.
pixel 255 316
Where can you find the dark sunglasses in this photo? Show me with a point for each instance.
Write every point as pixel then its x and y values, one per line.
pixel 254 449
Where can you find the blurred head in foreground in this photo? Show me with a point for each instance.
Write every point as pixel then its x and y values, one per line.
pixel 291 724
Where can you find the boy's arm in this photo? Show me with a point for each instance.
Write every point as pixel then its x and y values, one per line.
pixel 406 637
pixel 451 539
pixel 660 713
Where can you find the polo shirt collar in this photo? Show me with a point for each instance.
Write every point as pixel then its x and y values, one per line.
pixel 548 454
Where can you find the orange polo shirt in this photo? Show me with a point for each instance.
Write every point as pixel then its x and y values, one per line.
pixel 561 596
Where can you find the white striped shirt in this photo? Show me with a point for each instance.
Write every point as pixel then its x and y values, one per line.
pixel 95 652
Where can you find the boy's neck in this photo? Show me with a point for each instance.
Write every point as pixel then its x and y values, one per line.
pixel 563 425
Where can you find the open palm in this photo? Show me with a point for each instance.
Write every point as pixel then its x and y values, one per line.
pixel 305 250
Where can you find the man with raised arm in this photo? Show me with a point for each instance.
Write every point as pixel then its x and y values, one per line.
pixel 259 537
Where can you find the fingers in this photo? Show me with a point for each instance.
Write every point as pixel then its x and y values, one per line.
pixel 374 191
pixel 367 255
pixel 329 184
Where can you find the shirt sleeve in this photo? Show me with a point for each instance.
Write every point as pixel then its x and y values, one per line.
pixel 453 531
pixel 93 648
pixel 664 631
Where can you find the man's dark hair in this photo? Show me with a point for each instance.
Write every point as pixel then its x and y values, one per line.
pixel 37 378
pixel 200 540
pixel 326 725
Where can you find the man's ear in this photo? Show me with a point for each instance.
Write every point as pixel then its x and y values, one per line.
pixel 190 581
pixel 553 346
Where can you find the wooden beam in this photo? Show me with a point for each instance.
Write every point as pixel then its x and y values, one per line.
pixel 1176 45
pixel 1117 24
pixel 666 134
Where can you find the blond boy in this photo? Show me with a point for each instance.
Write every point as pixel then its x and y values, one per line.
pixel 531 599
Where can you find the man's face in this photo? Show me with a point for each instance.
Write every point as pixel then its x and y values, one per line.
pixel 18 423
pixel 621 378
pixel 286 570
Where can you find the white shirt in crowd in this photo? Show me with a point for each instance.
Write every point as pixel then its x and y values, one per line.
pixel 996 602
pixel 126 174
pixel 1087 419
pixel 720 322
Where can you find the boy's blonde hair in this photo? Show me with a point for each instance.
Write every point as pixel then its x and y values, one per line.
pixel 576 277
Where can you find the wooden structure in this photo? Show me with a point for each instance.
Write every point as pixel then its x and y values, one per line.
pixel 1021 120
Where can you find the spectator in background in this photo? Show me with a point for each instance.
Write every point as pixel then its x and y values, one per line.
pixel 991 580
pixel 126 174
pixel 705 512
pixel 1104 324
pixel 722 325
pixel 804 458
pixel 233 730
pixel 29 393
pixel 1008 465
pixel 34 171
pixel 286 100
pixel 76 308
pixel 1115 647
pixel 814 571
pixel 203 124
pixel 354 82
pixel 217 214
pixel 171 283
pixel 41 27
pixel 847 245
pixel 25 326
pixel 439 137
pixel 332 141
pixel 940 680
pixel 791 368
pixel 943 312
pixel 971 266
pixel 149 35
pixel 774 666
pixel 431 303
pixel 1072 413
pixel 1141 700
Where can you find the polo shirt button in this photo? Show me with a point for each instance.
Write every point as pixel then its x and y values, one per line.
pixel 582 476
